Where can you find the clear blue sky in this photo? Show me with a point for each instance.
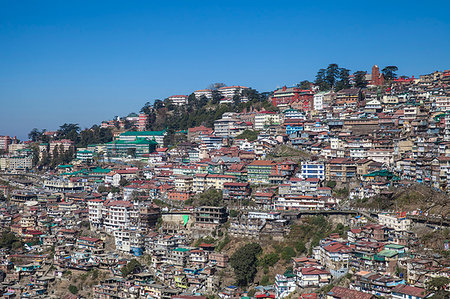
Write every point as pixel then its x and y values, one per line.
pixel 86 61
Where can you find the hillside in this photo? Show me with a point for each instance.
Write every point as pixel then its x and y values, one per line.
pixel 409 198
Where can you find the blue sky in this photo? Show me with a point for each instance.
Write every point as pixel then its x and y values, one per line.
pixel 86 61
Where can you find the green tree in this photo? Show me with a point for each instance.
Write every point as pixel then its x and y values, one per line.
pixel 132 267
pixel 332 74
pixel 344 79
pixel 300 247
pixel 389 72
pixel 438 286
pixel 269 259
pixel 73 289
pixel 321 80
pixel 250 135
pixel 305 84
pixel 244 262
pixel 287 253
pixel 360 79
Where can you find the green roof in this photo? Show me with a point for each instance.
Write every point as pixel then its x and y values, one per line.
pixel 395 246
pixel 65 166
pixel 382 173
pixel 137 141
pixel 100 170
pixel 143 133
pixel 387 253
pixel 181 249
pixel 85 152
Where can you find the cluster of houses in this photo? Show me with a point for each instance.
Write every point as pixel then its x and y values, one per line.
pixel 134 197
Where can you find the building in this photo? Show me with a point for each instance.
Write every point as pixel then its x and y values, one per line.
pixel 312 169
pixel 134 148
pixel 5 141
pixel 85 155
pixel 398 223
pixel 377 79
pixel 230 91
pixel 203 92
pixel 210 217
pixel 178 100
pixel 293 97
pixel 409 292
pixel 265 119
pixel 157 136
pixel 344 293
pixel 236 191
pixel 142 122
pixel 259 171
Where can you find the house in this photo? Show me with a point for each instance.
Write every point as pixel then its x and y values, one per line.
pixel 344 293
pixel 409 292
pixel 312 277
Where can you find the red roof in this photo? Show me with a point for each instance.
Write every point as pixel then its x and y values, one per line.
pixel 344 293
pixel 410 290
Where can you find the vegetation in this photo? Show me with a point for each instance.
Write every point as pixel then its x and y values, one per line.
pixel 438 286
pixel 269 260
pixel 73 289
pixel 389 72
pixel 9 241
pixel 223 243
pixel 210 197
pixel 244 262
pixel 250 135
pixel 132 267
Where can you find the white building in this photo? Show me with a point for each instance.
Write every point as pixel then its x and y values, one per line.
pixel 318 100
pixel 266 118
pixel 179 100
pixel 400 224
pixel 312 169
pixel 203 92
pixel 230 91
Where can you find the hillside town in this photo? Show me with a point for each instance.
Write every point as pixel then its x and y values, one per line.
pixel 335 189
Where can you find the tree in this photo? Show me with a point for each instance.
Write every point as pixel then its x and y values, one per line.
pixel 344 79
pixel 250 135
pixel 215 86
pixel 244 262
pixel 132 267
pixel 321 80
pixel 389 72
pixel 146 109
pixel 287 253
pixel 65 129
pixel 210 197
pixel 305 84
pixel 332 74
pixel 73 289
pixel 360 79
pixel 35 135
pixel 438 286
pixel 269 260
pixel 158 104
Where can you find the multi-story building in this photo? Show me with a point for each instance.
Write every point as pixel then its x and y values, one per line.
pixel 312 169
pixel 266 118
pixel 340 170
pixel 179 100
pixel 203 92
pixel 142 122
pixel 293 97
pixel 210 217
pixel 230 91
pixel 398 223
pixel 157 136
pixel 133 148
pixel 236 191
pixel 5 141
pixel 259 171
